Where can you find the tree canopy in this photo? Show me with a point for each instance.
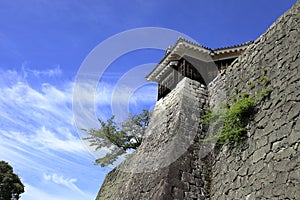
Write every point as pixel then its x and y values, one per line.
pixel 10 184
pixel 117 139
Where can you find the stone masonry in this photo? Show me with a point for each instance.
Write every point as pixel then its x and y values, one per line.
pixel 267 164
pixel 169 164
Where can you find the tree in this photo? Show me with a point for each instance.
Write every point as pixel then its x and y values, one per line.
pixel 10 184
pixel 118 139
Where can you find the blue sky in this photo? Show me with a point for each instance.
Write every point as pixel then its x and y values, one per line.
pixel 44 43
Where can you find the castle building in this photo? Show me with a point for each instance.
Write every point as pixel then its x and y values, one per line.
pixel 188 59
pixel 175 161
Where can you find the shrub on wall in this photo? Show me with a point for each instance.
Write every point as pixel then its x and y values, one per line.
pixel 228 122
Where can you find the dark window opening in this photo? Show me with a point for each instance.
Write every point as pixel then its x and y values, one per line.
pixel 181 70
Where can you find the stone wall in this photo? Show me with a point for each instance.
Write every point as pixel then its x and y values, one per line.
pixel 170 164
pixel 267 164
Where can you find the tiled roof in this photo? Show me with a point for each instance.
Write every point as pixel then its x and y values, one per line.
pixel 233 47
pixel 183 46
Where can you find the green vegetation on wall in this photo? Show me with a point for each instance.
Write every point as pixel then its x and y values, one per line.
pixel 228 122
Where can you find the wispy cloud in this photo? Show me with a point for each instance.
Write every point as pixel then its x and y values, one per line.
pixel 61 180
pixel 107 93
pixel 38 136
pixel 52 72
pixel 32 192
pixel 110 98
pixel 45 139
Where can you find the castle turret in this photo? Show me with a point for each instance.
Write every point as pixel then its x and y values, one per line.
pixel 191 60
pixel 175 161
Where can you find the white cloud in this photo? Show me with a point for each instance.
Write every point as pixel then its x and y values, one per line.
pixel 91 102
pixel 56 71
pixel 43 138
pixel 22 99
pixel 61 180
pixel 124 94
pixel 45 117
pixel 51 141
pixel 106 93
pixel 32 193
pixel 37 134
pixel 35 193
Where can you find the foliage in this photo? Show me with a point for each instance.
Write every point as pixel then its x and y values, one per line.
pixel 229 123
pixel 236 120
pixel 251 85
pixel 265 80
pixel 264 70
pixel 10 184
pixel 207 117
pixel 118 139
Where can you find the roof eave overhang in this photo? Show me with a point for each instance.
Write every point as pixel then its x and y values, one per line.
pixel 229 50
pixel 181 49
pixel 186 48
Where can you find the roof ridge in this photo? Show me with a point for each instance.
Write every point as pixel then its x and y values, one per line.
pixel 182 39
pixel 234 46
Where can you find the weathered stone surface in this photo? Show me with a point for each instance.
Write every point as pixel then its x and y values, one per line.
pixel 271 161
pixel 260 154
pixel 163 166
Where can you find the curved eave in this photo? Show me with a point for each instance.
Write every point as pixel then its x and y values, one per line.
pixel 184 47
pixel 231 49
pixel 180 49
